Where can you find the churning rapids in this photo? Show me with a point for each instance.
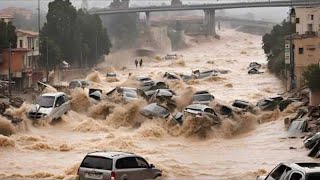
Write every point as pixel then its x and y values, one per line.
pixel 239 149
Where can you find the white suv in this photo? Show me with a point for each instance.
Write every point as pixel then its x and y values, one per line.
pixel 107 165
pixel 50 106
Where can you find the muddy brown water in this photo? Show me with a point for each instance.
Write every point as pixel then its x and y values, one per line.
pixel 239 149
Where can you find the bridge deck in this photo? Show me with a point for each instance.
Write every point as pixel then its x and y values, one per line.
pixel 210 6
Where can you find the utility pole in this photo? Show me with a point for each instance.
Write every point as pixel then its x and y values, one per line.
pixel 97 46
pixel 9 71
pixel 39 29
pixel 47 65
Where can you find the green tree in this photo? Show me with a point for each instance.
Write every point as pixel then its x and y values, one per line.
pixel 7 35
pixel 73 35
pixel 274 43
pixel 312 77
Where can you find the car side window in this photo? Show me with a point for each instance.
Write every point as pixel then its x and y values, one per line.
pixel 127 163
pixel 142 163
pixel 296 176
pixel 60 100
pixel 276 174
pixel 208 110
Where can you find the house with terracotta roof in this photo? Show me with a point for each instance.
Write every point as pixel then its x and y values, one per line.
pixel 24 60
pixel 6 17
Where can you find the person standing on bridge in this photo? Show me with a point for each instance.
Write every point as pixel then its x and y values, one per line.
pixel 140 62
pixel 136 63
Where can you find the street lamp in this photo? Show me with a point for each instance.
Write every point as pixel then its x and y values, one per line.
pixel 9 71
pixel 47 64
pixel 292 20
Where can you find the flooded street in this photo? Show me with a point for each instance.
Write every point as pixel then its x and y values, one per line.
pixel 239 149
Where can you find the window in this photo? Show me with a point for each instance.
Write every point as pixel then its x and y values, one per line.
pixel 142 163
pixel 37 43
pixel 60 100
pixel 300 50
pixel 95 162
pixel 311 17
pixel 30 43
pixel 276 174
pixel 295 176
pixel 127 163
pixel 21 43
pixel 313 176
pixel 310 27
pixel 28 62
pixel 297 20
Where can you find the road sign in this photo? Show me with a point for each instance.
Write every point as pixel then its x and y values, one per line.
pixel 287 54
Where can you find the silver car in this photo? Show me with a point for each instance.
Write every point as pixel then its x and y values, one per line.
pixel 107 165
pixel 50 106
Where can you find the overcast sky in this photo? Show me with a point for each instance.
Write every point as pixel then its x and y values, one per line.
pixel 274 14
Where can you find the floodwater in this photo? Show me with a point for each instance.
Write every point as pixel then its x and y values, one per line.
pixel 239 149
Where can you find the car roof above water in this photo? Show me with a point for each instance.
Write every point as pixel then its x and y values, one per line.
pixel 55 94
pixel 305 167
pixel 112 154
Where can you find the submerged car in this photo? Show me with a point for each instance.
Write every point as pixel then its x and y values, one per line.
pixel 202 97
pixel 254 71
pixel 171 75
pixel 114 165
pixel 203 74
pixel 294 171
pixel 145 80
pixel 155 86
pixel 95 94
pixel 199 110
pixel 50 106
pixel 155 110
pixel 242 104
pixel 128 94
pixel 269 103
pixel 254 65
pixel 111 74
pixel 171 57
pixel 78 83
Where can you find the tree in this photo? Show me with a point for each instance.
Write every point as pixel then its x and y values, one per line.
pixel 274 44
pixel 312 77
pixel 73 36
pixel 7 35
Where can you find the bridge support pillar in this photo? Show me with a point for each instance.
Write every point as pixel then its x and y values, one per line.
pixel 210 22
pixel 148 18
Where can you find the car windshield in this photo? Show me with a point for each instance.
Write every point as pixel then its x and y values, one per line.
pixel 74 84
pixel 46 101
pixel 202 97
pixel 131 94
pixel 157 109
pixel 95 162
pixel 314 176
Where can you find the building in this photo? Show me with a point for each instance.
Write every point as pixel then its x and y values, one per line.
pixel 29 40
pixel 17 67
pixel 6 17
pixel 306 45
pixel 24 60
pixel 306 41
pixel 307 20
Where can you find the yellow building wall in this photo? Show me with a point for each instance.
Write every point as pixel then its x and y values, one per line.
pixel 310 55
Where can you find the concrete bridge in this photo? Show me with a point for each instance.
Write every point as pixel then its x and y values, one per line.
pixel 209 9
